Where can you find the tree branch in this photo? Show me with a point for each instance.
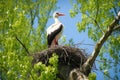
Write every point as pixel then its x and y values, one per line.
pixel 22 45
pixel 98 26
pixel 75 74
pixel 95 21
pixel 117 27
pixel 109 62
pixel 89 63
pixel 33 14
pixel 111 78
pixel 97 6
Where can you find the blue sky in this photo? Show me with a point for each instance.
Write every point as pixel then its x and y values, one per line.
pixel 71 32
pixel 70 29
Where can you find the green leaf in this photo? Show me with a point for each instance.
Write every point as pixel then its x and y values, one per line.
pixel 92 76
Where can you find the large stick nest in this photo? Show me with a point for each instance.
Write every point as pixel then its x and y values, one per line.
pixel 69 58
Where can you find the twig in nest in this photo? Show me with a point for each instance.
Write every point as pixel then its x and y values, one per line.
pixel 65 53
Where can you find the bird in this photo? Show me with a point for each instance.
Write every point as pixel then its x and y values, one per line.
pixel 54 32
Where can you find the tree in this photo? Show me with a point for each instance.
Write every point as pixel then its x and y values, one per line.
pixel 22 31
pixel 99 18
pixel 20 37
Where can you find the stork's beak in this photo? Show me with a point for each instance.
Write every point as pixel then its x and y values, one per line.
pixel 61 14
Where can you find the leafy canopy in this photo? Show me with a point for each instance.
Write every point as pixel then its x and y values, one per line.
pixel 96 16
pixel 22 31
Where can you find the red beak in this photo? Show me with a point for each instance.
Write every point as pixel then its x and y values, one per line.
pixel 61 14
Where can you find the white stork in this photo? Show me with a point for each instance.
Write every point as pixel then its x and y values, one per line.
pixel 54 32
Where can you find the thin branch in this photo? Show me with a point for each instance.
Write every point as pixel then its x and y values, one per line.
pixel 33 14
pixel 108 76
pixel 98 26
pixel 83 44
pixel 106 61
pixel 117 27
pixel 104 38
pixel 97 5
pixel 95 21
pixel 104 74
pixel 87 65
pixel 22 44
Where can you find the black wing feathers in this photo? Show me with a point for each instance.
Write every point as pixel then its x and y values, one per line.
pixel 51 36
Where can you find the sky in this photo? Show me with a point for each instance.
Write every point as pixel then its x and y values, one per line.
pixel 70 28
pixel 71 32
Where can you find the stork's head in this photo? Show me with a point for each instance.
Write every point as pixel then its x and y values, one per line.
pixel 57 14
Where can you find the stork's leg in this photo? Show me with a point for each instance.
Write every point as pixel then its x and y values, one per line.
pixel 55 42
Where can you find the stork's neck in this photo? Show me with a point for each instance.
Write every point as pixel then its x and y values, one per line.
pixel 56 20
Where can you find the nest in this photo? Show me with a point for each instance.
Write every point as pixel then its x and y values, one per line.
pixel 69 58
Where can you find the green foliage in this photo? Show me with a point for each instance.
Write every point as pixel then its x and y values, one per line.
pixel 92 76
pixel 71 42
pixel 43 72
pixel 54 60
pixel 64 42
pixel 23 21
pixel 96 16
pixel 73 13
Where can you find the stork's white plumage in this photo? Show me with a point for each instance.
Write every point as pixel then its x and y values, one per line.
pixel 54 32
